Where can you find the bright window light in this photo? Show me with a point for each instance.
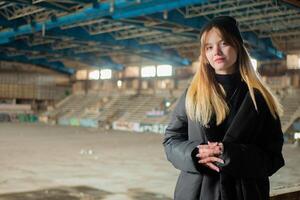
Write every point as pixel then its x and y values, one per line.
pixel 164 70
pixel 94 75
pixel 292 61
pixel 299 63
pixel 254 63
pixel 105 74
pixel 119 83
pixel 148 71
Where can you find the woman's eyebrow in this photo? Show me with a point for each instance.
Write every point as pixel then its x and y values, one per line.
pixel 222 40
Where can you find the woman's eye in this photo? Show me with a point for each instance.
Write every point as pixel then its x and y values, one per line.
pixel 208 48
pixel 224 43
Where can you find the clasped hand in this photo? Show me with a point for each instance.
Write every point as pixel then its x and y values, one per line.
pixel 208 155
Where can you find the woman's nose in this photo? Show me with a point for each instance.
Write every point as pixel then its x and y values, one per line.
pixel 217 50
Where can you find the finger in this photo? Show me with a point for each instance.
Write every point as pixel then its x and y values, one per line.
pixel 217 151
pixel 203 153
pixel 203 146
pixel 213 167
pixel 214 148
pixel 211 159
pixel 212 144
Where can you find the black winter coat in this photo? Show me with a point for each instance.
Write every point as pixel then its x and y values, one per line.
pixel 252 152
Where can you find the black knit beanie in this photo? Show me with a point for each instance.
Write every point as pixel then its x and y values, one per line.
pixel 227 22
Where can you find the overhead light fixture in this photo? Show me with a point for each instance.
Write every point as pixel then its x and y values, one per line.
pixel 165 14
pixel 112 7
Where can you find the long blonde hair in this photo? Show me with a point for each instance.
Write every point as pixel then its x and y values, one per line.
pixel 205 97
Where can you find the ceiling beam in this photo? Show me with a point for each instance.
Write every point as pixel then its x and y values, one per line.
pixel 262 45
pixel 42 4
pixel 122 9
pixel 130 45
pixel 60 53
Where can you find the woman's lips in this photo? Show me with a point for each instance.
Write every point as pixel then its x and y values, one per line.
pixel 219 60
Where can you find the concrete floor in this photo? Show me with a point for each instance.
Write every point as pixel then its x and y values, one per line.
pixel 67 163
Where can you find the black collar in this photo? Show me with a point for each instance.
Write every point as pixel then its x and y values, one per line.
pixel 228 79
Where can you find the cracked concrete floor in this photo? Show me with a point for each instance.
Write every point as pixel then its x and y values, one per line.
pixel 70 163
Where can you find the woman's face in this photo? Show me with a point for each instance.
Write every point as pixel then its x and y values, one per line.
pixel 220 55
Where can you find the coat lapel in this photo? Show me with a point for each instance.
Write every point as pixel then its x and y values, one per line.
pixel 242 121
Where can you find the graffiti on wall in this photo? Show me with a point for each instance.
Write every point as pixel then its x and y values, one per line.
pixel 126 126
pixel 139 127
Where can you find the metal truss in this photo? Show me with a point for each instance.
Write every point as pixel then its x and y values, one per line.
pixel 107 27
pixel 39 39
pixel 222 7
pixel 47 56
pixel 87 49
pixel 35 41
pixel 261 15
pixel 228 7
pixel 65 5
pixel 60 1
pixel 164 38
pixel 130 28
pixel 154 38
pixel 83 24
pixel 13 52
pixel 175 45
pixel 64 45
pixel 76 46
pixel 37 1
pixel 163 25
pixel 135 33
pixel 46 15
pixel 57 1
pixel 91 46
pixel 275 23
pixel 35 55
pixel 270 19
pixel 13 11
pixel 99 26
pixel 266 18
pixel 38 12
pixel 92 49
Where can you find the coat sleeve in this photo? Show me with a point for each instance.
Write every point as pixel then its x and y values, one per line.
pixel 261 159
pixel 177 146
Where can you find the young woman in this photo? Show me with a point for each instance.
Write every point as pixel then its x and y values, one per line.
pixel 225 134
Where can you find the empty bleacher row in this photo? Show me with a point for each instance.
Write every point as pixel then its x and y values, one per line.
pixel 121 111
pixel 94 110
pixel 291 105
pixel 128 112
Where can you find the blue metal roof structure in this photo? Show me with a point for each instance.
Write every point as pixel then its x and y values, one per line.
pixel 95 32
